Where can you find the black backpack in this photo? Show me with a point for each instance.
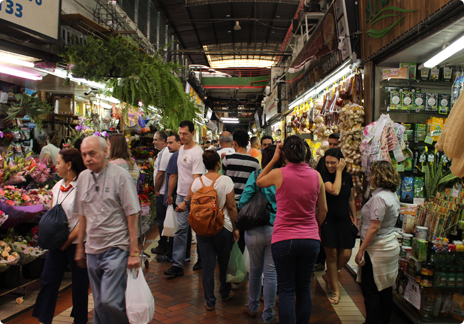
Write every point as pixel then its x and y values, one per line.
pixel 256 212
pixel 53 227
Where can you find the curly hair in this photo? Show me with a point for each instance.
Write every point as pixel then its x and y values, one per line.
pixel 384 175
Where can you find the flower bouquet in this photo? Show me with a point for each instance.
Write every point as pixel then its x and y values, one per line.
pixel 22 204
pixel 7 258
pixel 27 252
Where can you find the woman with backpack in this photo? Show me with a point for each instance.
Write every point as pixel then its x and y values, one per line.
pixel 258 242
pixel 295 238
pixel 69 166
pixel 217 245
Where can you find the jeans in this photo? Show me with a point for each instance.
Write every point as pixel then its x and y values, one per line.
pixel 160 217
pixel 258 242
pixel 108 279
pixel 294 261
pixel 52 274
pixel 379 304
pixel 211 247
pixel 181 236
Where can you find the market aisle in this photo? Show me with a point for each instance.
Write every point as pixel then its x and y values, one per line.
pixel 180 300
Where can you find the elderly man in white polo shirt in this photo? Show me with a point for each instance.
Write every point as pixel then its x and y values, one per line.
pixel 107 206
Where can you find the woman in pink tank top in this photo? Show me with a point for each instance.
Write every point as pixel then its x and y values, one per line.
pixel 295 240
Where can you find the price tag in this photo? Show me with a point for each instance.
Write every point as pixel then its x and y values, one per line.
pixel 428 140
pixel 455 193
pixel 413 293
pixel 400 168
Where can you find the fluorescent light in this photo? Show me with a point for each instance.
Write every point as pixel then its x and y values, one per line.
pixel 110 99
pixel 227 118
pixel 19 73
pixel 105 105
pixel 446 53
pixel 16 61
pixel 230 122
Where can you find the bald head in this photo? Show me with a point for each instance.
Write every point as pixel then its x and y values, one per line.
pixel 94 150
pixel 226 139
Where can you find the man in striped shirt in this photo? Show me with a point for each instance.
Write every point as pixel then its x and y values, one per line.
pixel 239 165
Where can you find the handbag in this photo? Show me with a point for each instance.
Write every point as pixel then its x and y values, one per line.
pixel 53 227
pixel 255 213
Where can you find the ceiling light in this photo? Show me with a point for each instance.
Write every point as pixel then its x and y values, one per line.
pixel 227 16
pixel 446 53
pixel 229 31
pixel 230 122
pixel 277 16
pixel 19 73
pixel 16 61
pixel 229 118
pixel 237 25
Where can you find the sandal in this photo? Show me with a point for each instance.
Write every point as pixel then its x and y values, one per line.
pixel 327 283
pixel 209 308
pixel 334 299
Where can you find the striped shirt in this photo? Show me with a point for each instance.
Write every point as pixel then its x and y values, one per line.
pixel 239 168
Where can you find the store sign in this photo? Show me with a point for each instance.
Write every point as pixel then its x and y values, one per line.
pixel 271 106
pixel 383 21
pixel 39 17
pixel 319 57
pixel 276 71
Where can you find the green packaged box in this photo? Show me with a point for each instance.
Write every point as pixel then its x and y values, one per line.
pixel 419 249
pixel 443 103
pixel 418 187
pixel 419 101
pixel 407 99
pixel 435 74
pixel 441 278
pixel 421 132
pixel 395 100
pixel 460 278
pixel 447 73
pixel 424 74
pixel 451 283
pixel 411 69
pixel 431 102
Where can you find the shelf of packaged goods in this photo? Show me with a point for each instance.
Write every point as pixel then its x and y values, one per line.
pixel 413 112
pixel 414 315
pixel 415 83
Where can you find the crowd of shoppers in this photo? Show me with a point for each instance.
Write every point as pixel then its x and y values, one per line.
pixel 312 222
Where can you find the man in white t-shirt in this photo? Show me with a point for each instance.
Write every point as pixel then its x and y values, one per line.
pixel 159 177
pixel 226 142
pixel 190 166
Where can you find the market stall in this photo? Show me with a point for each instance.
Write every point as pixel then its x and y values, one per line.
pixel 412 84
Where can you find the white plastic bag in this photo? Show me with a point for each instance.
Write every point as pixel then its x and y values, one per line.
pixel 170 222
pixel 140 303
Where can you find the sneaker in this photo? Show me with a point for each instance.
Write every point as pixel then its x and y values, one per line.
pixel 158 250
pixel 197 266
pixel 163 258
pixel 318 267
pixel 247 310
pixel 174 272
pixel 231 295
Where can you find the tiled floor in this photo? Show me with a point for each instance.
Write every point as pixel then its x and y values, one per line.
pixel 180 300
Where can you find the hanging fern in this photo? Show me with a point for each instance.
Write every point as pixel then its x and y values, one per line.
pixel 131 75
pixel 32 106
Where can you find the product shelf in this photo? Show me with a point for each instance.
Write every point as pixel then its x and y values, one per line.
pixel 414 315
pixel 22 284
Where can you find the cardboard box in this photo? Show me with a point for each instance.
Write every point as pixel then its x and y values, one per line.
pixel 394 73
pixel 411 69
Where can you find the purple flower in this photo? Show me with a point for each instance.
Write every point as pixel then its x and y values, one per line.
pixel 1 134
pixel 104 134
pixel 78 127
pixel 96 134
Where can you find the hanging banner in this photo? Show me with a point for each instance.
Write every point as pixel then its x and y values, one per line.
pixel 319 57
pixel 271 106
pixel 37 17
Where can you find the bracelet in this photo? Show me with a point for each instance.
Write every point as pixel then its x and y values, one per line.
pixel 134 254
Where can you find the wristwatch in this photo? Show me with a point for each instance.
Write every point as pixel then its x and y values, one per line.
pixel 187 201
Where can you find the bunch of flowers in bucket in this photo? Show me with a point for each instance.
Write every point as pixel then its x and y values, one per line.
pixel 25 197
pixel 7 258
pixel 25 246
pixel 87 127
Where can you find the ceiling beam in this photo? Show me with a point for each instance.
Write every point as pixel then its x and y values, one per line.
pixel 189 3
pixel 196 32
pixel 245 52
pixel 272 23
pixel 214 26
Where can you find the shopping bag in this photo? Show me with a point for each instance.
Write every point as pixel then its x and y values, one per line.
pixel 246 256
pixel 236 270
pixel 170 222
pixel 140 304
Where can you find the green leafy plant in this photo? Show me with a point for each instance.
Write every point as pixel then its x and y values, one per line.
pixel 32 106
pixel 437 180
pixel 132 76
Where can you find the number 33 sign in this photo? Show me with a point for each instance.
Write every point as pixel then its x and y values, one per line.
pixel 39 17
